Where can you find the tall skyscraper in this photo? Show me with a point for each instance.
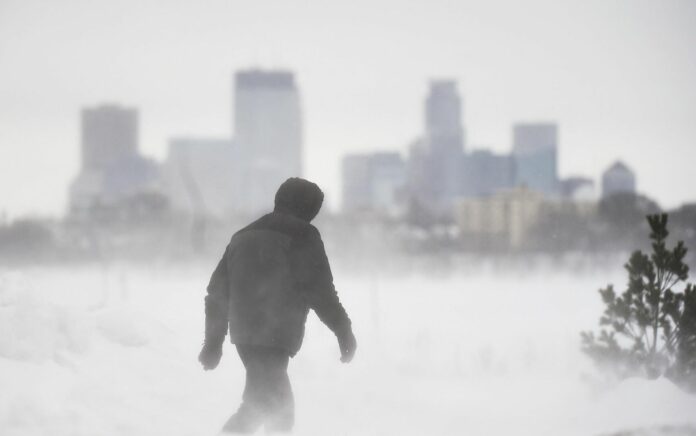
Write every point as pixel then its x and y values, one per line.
pixel 112 168
pixel 435 162
pixel 268 132
pixel 535 148
pixel 618 178
pixel 109 134
pixel 443 117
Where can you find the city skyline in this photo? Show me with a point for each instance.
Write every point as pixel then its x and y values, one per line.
pixel 205 175
pixel 615 77
pixel 443 124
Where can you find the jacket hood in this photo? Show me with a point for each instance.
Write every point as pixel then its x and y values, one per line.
pixel 300 198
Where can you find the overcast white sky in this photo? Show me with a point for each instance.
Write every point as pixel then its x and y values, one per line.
pixel 619 76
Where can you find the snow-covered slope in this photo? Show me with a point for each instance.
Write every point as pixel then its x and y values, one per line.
pixel 92 351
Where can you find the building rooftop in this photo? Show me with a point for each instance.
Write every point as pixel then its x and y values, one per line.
pixel 264 79
pixel 619 166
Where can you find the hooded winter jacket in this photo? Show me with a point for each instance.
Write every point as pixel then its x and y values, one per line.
pixel 272 272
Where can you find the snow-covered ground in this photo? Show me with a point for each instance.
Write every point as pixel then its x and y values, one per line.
pixel 94 351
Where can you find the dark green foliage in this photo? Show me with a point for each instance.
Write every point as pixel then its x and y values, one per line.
pixel 650 329
pixel 25 239
pixel 624 211
pixel 561 229
pixel 683 223
pixel 686 342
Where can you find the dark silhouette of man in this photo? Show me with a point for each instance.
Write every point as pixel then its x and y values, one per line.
pixel 272 272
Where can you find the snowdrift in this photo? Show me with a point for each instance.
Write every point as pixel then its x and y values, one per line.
pixel 95 351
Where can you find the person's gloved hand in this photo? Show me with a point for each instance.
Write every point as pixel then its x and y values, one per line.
pixel 210 356
pixel 347 344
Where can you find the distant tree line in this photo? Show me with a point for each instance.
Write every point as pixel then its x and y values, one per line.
pixel 145 226
pixel 618 224
pixel 615 224
pixel 26 240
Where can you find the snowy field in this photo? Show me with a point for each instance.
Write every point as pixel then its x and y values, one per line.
pixel 94 351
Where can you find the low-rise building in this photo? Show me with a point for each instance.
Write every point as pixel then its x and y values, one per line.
pixel 506 216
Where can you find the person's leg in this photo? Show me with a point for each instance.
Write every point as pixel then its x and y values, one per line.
pixel 281 404
pixel 267 393
pixel 249 416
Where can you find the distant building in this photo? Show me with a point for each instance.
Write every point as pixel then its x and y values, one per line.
pixel 435 161
pixel 443 118
pixel 578 189
pixel 109 133
pixel 201 176
pixel 268 132
pixel 388 183
pixel 484 173
pixel 356 182
pixel 617 179
pixel 112 168
pixel 535 148
pixel 374 183
pixel 419 189
pixel 505 217
pixel 433 180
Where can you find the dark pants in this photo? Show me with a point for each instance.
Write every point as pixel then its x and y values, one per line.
pixel 267 397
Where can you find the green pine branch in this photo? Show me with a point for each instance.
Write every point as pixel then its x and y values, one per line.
pixel 650 329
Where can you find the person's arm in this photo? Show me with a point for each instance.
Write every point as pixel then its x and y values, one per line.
pixel 315 282
pixel 216 302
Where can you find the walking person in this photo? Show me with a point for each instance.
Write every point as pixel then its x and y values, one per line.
pixel 272 272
